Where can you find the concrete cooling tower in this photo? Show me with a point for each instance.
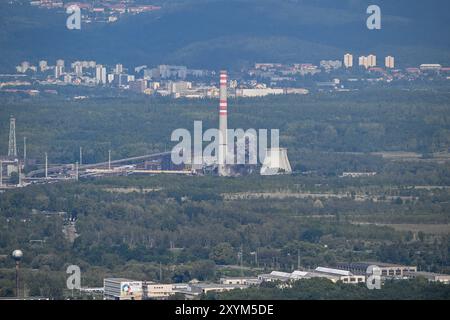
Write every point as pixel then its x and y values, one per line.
pixel 276 162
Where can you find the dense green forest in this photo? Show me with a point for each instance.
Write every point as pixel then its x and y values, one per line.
pixel 310 126
pixel 196 226
pixel 243 32
pixel 127 226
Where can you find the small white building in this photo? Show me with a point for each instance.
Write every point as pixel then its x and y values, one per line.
pixel 214 287
pixel 358 174
pixel 262 92
pixel 158 290
pixel 240 280
pixel 430 67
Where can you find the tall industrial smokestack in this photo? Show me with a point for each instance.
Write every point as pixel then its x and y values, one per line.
pixel 223 125
pixel 12 148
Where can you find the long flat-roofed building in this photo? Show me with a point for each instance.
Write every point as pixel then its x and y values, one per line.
pixel 388 270
pixel 240 280
pixel 336 275
pixel 214 287
pixel 430 276
pixel 331 274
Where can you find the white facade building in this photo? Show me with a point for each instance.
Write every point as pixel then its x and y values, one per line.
pixel 79 69
pixel 389 62
pixel 59 70
pixel 60 63
pixel 348 60
pixel 122 289
pixel 430 67
pixel 43 65
pixel 331 274
pixel 258 92
pixel 363 62
pixel 100 74
pixel 119 68
pixel 368 62
pixel 372 60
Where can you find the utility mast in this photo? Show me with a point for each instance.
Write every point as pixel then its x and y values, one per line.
pixel 12 147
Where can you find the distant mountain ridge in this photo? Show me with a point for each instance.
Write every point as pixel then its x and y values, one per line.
pixel 232 33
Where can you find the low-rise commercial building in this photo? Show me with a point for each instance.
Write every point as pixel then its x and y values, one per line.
pixel 122 289
pixel 258 92
pixel 240 280
pixel 333 275
pixel 430 276
pixel 336 275
pixel 158 290
pixel 214 287
pixel 388 270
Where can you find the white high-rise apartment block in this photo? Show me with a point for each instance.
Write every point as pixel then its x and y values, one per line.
pixel 59 70
pixel 372 60
pixel 100 74
pixel 390 62
pixel 43 65
pixel 368 62
pixel 110 77
pixel 119 68
pixel 25 65
pixel 79 70
pixel 363 62
pixel 60 63
pixel 348 60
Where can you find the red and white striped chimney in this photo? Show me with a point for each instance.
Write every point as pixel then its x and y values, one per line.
pixel 223 124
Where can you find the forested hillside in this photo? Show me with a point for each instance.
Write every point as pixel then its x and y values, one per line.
pixel 217 34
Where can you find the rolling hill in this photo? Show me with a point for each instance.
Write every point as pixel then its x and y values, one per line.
pixel 232 33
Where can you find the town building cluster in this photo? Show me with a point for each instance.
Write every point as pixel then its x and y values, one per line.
pixel 262 79
pixel 346 273
pixel 102 11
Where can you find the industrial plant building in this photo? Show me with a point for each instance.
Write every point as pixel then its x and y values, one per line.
pixel 331 274
pixel 276 162
pixel 430 276
pixel 388 270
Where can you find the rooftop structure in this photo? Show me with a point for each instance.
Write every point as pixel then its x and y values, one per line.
pixel 331 274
